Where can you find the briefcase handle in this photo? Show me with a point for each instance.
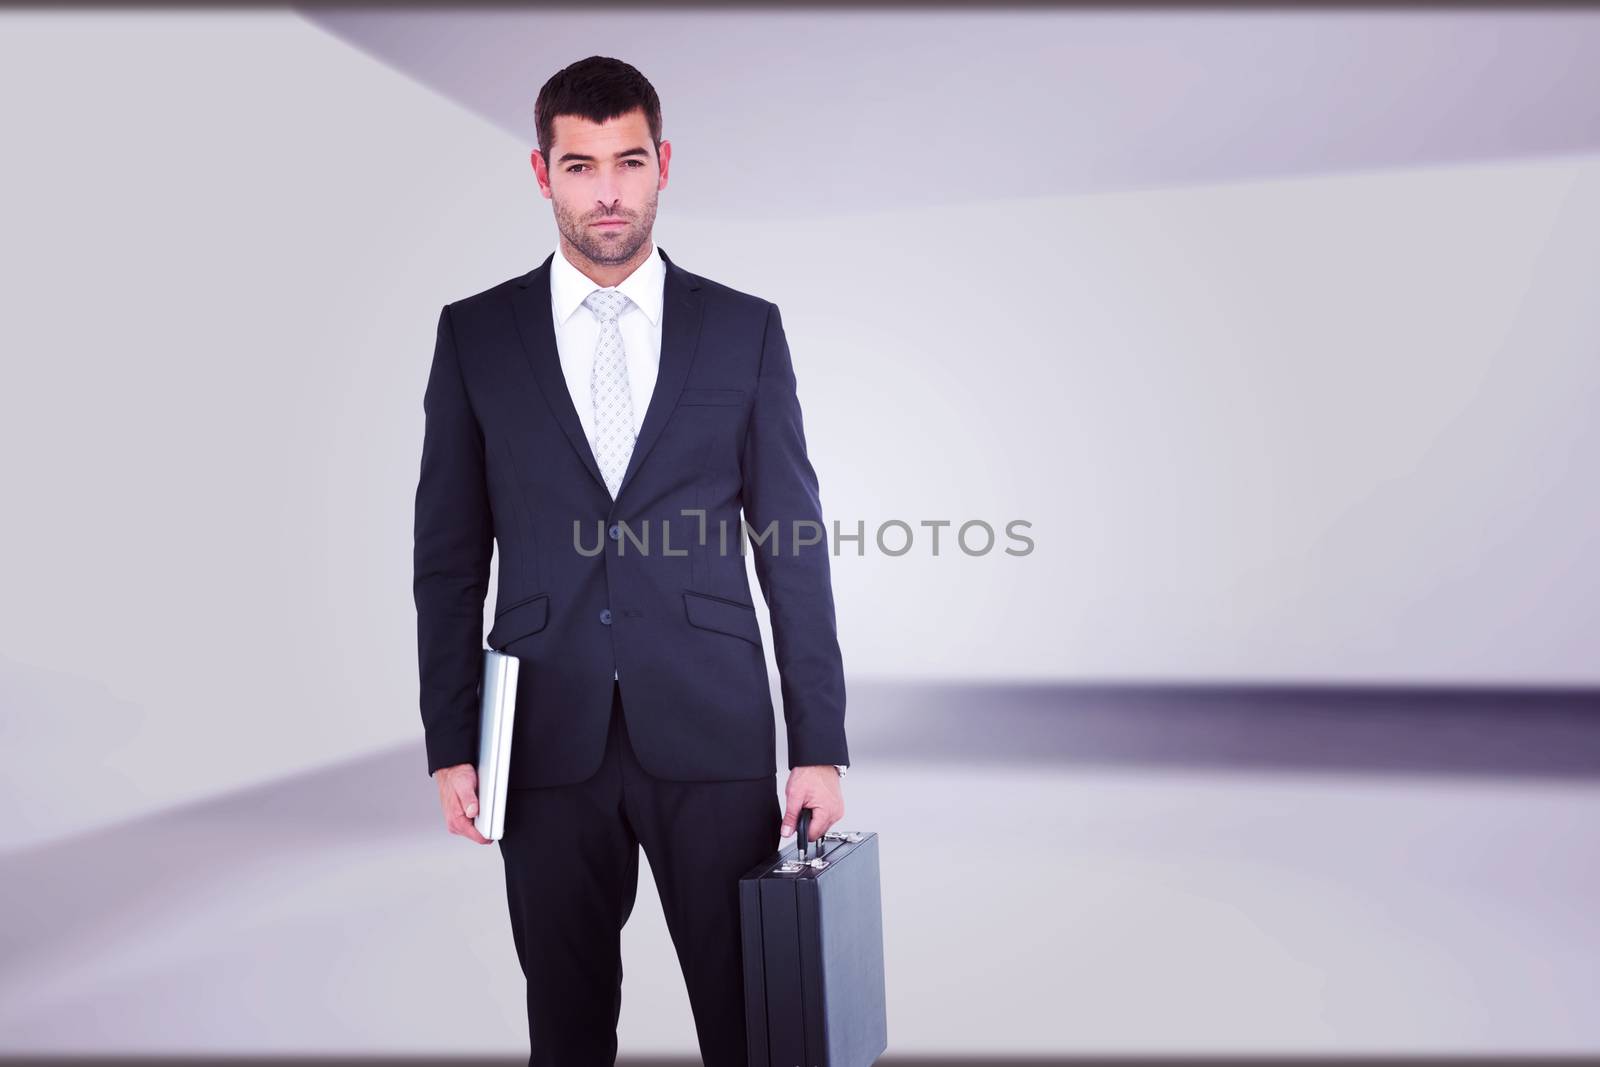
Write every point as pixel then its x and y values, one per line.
pixel 802 828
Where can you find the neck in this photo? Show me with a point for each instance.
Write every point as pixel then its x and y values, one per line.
pixel 606 275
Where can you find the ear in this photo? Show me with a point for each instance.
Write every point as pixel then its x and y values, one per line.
pixel 541 173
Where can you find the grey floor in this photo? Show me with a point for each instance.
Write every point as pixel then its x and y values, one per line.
pixel 1068 873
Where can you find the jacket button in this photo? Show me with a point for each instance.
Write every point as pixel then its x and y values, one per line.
pixel 616 532
pixel 605 616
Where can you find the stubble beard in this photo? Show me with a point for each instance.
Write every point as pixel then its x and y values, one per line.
pixel 600 249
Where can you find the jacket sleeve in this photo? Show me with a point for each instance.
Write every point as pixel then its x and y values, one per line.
pixel 779 492
pixel 453 543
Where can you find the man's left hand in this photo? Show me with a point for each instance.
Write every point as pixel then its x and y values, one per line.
pixel 817 788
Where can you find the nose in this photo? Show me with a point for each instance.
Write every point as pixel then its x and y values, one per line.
pixel 609 192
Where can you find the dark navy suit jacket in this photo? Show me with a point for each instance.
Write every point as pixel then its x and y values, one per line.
pixel 664 603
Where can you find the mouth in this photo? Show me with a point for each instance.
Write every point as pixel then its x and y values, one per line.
pixel 611 222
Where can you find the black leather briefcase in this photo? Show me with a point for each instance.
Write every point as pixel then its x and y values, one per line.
pixel 812 925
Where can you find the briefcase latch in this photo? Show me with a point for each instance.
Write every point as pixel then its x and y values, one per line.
pixel 817 862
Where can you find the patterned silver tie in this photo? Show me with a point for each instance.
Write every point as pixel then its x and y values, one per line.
pixel 609 390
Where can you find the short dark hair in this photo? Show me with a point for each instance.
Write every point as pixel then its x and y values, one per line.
pixel 598 88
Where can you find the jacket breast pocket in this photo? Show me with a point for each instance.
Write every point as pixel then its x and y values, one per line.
pixel 516 621
pixel 711 396
pixel 725 616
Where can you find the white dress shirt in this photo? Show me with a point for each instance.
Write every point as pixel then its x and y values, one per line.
pixel 578 335
pixel 578 332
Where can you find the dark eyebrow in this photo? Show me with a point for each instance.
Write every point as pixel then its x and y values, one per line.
pixel 570 157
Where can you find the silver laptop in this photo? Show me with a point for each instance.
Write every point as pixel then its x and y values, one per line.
pixel 498 705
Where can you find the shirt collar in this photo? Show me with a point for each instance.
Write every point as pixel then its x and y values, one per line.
pixel 569 286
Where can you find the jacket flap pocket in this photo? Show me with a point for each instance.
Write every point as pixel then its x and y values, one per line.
pixel 711 396
pixel 725 616
pixel 519 620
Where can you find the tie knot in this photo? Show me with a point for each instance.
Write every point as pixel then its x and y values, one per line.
pixel 607 304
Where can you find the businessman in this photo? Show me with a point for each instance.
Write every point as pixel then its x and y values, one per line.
pixel 606 418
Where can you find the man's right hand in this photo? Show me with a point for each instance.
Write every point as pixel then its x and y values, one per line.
pixel 458 796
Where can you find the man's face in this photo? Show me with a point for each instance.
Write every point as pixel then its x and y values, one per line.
pixel 604 180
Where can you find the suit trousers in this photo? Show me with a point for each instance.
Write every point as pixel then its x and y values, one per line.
pixel 571 855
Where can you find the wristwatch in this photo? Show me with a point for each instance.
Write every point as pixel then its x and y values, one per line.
pixel 841 768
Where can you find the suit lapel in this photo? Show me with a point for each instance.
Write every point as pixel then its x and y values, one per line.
pixel 530 300
pixel 681 307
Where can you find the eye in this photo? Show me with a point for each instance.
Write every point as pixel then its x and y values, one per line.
pixel 574 168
